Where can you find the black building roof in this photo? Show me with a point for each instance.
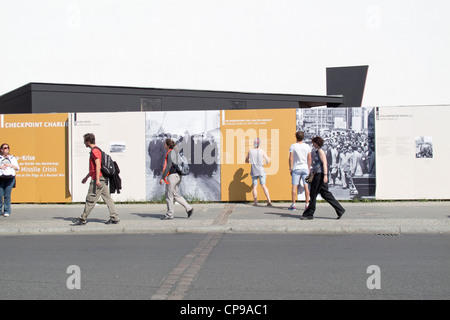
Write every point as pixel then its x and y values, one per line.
pixel 61 98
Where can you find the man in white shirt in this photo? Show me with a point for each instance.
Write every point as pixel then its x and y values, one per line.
pixel 299 165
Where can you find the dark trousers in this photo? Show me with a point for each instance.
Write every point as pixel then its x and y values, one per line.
pixel 318 187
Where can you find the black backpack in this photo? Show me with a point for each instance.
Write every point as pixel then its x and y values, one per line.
pixel 107 168
pixel 181 165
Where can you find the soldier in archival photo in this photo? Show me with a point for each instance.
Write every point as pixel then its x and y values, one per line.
pixel 156 152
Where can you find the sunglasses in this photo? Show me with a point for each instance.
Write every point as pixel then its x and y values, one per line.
pixel 5 148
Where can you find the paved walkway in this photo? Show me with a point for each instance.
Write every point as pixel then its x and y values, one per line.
pixel 390 218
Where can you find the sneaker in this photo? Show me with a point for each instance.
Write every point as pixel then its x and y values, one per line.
pixel 166 218
pixel 6 215
pixel 190 212
pixel 292 207
pixel 78 222
pixel 110 221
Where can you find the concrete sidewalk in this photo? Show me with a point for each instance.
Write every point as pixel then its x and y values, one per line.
pixel 390 218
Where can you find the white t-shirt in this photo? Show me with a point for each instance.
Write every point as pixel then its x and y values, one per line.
pixel 300 152
pixel 256 159
pixel 8 171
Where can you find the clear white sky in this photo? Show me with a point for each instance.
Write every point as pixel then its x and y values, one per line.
pixel 270 46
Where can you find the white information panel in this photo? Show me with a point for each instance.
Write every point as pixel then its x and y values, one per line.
pixel 412 152
pixel 122 136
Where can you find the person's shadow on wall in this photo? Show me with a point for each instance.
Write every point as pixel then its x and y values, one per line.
pixel 238 188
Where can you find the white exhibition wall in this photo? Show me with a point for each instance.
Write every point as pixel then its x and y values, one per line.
pixel 411 153
pixel 122 135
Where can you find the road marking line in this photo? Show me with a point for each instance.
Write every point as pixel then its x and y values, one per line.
pixel 224 214
pixel 178 282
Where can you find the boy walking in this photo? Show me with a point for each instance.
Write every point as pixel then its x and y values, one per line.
pixel 98 185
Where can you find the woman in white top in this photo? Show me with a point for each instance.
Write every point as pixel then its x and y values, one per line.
pixel 256 157
pixel 299 164
pixel 8 168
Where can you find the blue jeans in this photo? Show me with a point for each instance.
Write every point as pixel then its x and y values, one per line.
pixel 262 180
pixel 299 174
pixel 6 186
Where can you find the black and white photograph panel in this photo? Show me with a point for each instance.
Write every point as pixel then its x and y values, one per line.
pixel 197 138
pixel 349 143
pixel 424 147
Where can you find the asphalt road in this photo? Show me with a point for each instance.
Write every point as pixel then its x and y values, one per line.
pixel 225 266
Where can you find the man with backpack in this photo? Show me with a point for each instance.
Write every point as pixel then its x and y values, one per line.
pixel 98 185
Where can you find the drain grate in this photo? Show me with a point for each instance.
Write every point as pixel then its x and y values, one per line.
pixel 388 234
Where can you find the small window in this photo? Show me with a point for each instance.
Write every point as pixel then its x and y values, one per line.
pixel 238 104
pixel 151 104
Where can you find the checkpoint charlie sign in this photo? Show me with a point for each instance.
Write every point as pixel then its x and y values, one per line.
pixel 39 142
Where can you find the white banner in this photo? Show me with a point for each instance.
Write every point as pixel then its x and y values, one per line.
pixel 122 136
pixel 412 152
